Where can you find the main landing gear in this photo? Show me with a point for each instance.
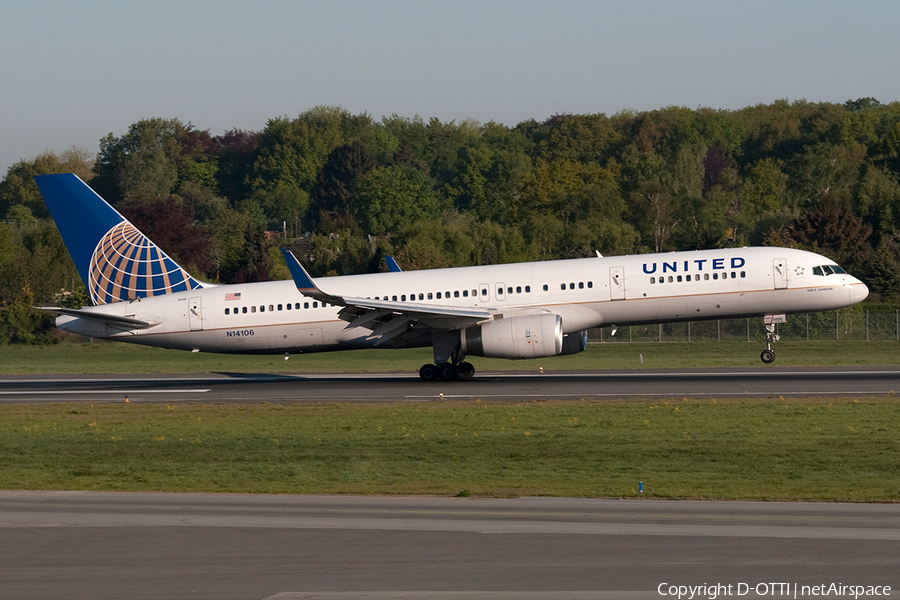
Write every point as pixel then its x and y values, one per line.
pixel 768 355
pixel 448 359
pixel 447 372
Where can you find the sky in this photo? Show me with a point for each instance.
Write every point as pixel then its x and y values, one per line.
pixel 73 72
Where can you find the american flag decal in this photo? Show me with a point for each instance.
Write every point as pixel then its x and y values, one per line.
pixel 236 296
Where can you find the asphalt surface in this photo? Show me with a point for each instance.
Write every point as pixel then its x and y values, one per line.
pixel 512 386
pixel 145 545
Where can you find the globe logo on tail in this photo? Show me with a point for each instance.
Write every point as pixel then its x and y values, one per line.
pixel 127 265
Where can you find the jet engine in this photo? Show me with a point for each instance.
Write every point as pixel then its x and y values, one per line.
pixel 532 336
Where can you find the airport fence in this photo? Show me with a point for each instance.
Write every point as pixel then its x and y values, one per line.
pixel 856 323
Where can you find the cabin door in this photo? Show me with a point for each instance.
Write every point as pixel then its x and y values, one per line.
pixel 617 283
pixel 779 273
pixel 195 314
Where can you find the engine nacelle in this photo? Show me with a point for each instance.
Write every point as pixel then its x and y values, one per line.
pixel 532 336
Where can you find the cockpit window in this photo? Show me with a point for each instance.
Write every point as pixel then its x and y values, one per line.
pixel 829 270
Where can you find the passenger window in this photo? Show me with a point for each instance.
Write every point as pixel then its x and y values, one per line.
pixel 590 284
pixel 403 298
pixel 484 292
pixel 518 289
pixel 253 309
pixel 438 295
pixel 393 298
pixel 527 289
pixel 465 293
pixel 671 279
pixel 562 286
pixel 280 307
pixel 500 291
pixel 580 285
pixel 571 286
pixel 244 310
pixel 715 275
pixel 297 306
pixel 679 279
pixel 262 309
pixel 271 308
pixel 421 296
pixel 456 294
pixel 652 280
pixel 288 307
pixel 429 296
pixel 687 277
pixel 706 276
pixel 475 293
pixel 743 274
pixel 227 311
pixel 306 305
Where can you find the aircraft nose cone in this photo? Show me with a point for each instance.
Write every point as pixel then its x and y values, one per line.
pixel 858 291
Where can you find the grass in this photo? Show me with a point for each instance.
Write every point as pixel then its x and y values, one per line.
pixel 110 357
pixel 767 449
pixel 774 449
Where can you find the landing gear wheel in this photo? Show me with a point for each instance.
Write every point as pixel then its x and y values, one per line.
pixel 466 371
pixel 448 371
pixel 428 372
pixel 767 356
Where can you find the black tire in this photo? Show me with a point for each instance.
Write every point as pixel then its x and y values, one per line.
pixel 448 372
pixel 466 371
pixel 428 372
pixel 767 356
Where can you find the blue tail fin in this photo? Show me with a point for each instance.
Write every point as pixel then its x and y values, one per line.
pixel 115 260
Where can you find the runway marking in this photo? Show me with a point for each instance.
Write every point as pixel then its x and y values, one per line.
pixel 471 595
pixel 433 397
pixel 131 391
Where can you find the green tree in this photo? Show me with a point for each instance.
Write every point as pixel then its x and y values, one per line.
pixel 142 163
pixel 334 193
pixel 391 198
pixel 18 188
pixel 291 154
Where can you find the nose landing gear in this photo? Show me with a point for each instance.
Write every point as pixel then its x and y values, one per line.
pixel 768 355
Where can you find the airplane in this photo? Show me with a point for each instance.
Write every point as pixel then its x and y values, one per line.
pixel 516 311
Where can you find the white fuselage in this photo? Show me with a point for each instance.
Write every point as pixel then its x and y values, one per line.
pixel 274 317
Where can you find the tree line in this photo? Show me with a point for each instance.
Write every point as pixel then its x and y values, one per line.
pixel 345 190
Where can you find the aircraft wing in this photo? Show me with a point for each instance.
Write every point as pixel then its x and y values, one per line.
pixel 108 319
pixel 386 319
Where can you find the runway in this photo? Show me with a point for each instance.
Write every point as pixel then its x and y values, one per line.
pixel 145 545
pixel 502 386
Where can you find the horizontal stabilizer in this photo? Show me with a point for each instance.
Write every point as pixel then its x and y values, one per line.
pixel 108 319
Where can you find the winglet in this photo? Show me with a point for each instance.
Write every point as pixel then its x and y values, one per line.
pixel 392 265
pixel 304 282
